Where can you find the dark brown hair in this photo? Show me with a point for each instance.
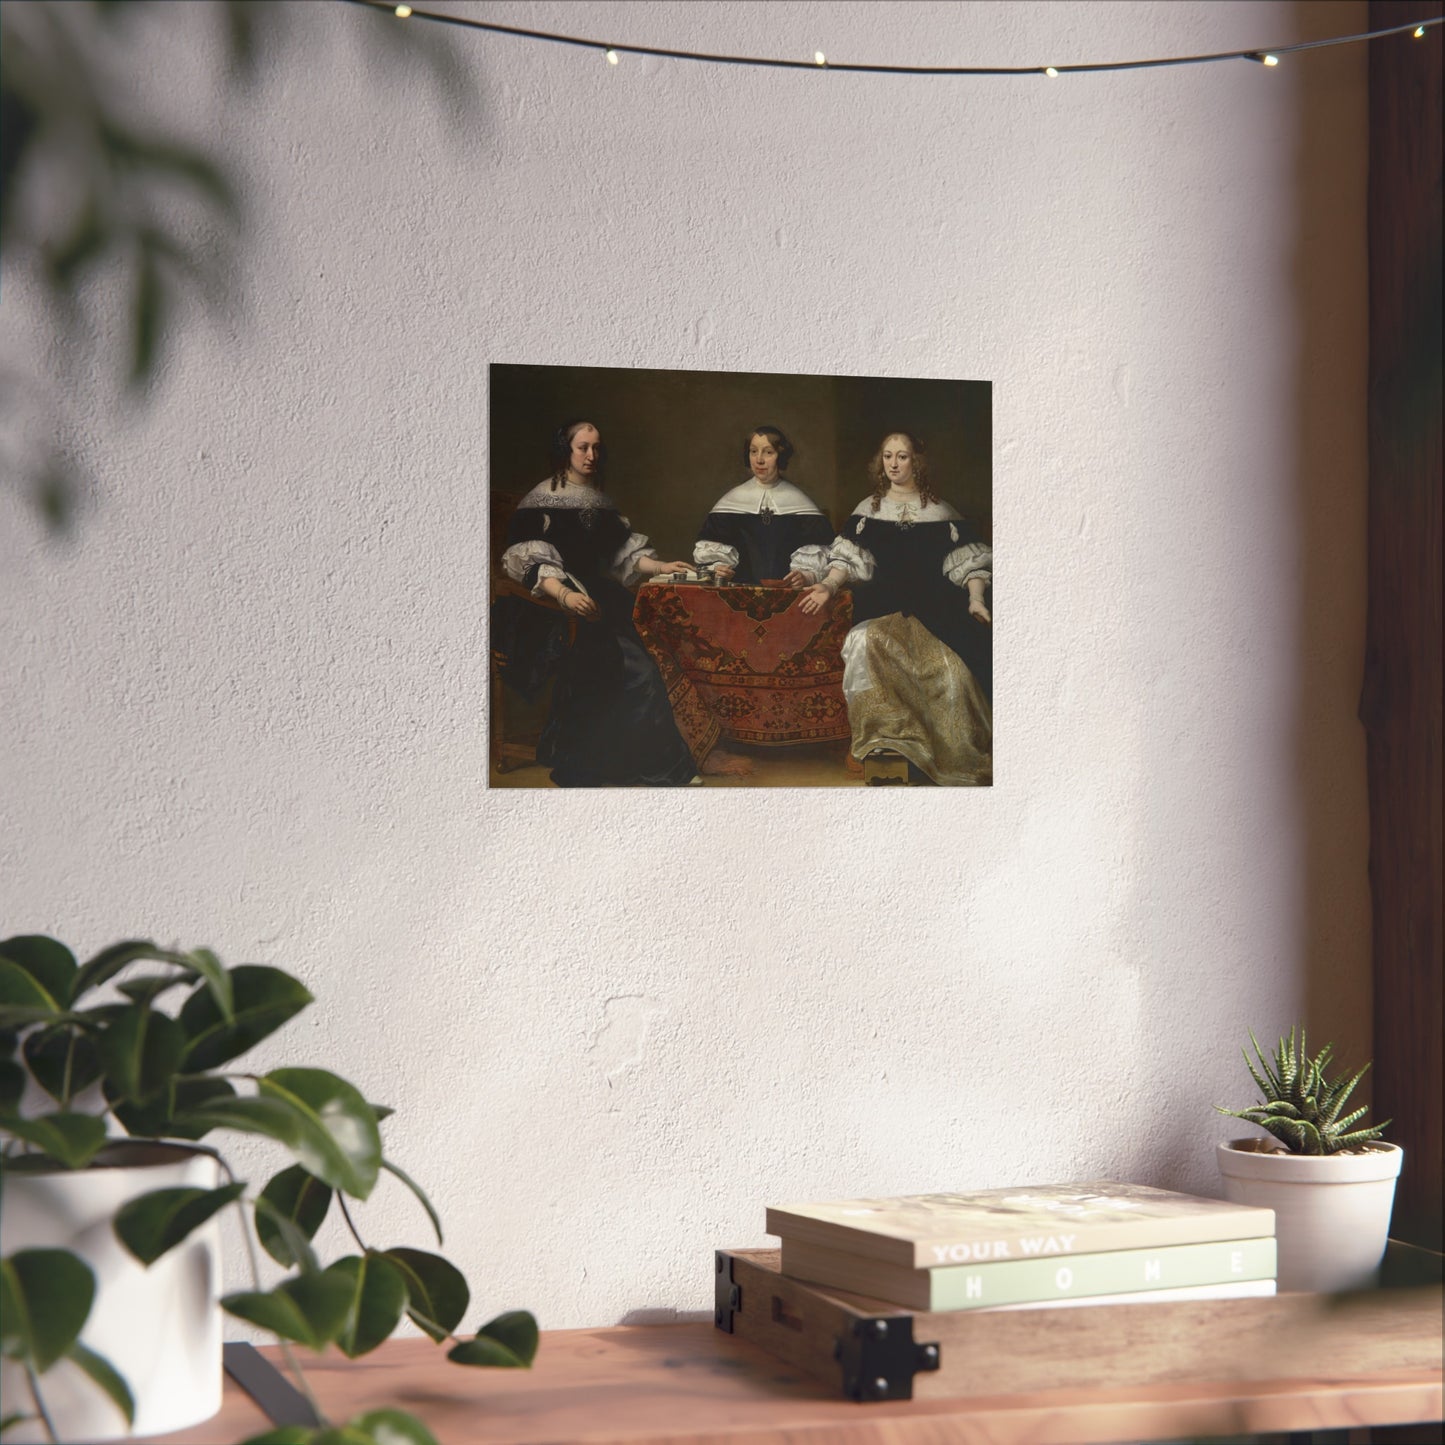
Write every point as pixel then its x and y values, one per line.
pixel 779 439
pixel 879 477
pixel 562 452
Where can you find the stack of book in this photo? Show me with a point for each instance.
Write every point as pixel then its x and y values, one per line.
pixel 1025 1248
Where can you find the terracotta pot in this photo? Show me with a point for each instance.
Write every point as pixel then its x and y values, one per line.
pixel 1331 1211
pixel 160 1327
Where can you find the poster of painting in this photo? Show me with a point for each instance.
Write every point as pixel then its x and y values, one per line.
pixel 735 579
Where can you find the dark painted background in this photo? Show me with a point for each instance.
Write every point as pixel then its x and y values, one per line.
pixel 675 439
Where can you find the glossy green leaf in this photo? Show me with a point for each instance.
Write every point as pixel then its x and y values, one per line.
pixel 378 1296
pixel 263 999
pixel 63 1060
pixel 299 1197
pixel 141 1052
pixel 46 1298
pixel 382 1111
pixel 284 1435
pixel 23 999
pixel 517 1331
pixel 310 1310
pixel 416 1189
pixel 392 1427
pixel 213 971
pixel 278 1115
pixel 104 1374
pixel 163 1116
pixel 341 1435
pixel 152 986
pixel 340 1143
pixel 109 962
pixel 14 1325
pixel 271 1118
pixel 507 1342
pixel 188 1094
pixel 50 964
pixel 12 1086
pixel 10 1041
pixel 437 1293
pixel 151 1224
pixel 73 1139
pixel 303 1257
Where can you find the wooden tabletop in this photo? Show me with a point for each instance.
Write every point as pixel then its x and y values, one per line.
pixel 694 1385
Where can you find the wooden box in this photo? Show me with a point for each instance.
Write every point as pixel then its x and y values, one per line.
pixel 871 1350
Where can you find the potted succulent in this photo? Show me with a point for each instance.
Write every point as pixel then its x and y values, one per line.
pixel 113 1085
pixel 1331 1185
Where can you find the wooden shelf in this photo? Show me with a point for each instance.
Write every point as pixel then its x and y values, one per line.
pixel 692 1384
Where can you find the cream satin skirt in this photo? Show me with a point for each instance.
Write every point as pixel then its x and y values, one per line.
pixel 909 693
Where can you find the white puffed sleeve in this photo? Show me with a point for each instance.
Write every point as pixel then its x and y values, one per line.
pixel 856 561
pixel 520 558
pixel 811 560
pixel 709 554
pixel 973 559
pixel 624 565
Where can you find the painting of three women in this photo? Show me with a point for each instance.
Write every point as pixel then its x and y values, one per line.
pixel 717 579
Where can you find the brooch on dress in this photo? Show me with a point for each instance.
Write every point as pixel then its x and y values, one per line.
pixel 906 517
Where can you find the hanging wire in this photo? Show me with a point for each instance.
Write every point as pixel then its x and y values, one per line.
pixel 611 49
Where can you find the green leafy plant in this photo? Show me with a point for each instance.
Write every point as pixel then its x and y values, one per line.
pixel 1301 1107
pixel 158 1073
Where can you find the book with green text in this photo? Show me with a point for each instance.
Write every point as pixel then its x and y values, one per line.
pixel 925 1231
pixel 1033 1281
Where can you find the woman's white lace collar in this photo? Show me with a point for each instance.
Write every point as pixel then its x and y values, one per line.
pixel 568 495
pixel 893 510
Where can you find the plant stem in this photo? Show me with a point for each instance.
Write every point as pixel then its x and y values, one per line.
pixel 69 1072
pixel 346 1215
pixel 39 1403
pixel 291 1361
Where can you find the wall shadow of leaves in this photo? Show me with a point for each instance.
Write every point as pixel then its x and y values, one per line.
pixel 87 185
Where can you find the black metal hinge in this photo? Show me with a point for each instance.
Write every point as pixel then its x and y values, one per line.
pixel 880 1358
pixel 727 1296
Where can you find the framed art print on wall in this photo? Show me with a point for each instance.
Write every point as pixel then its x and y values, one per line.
pixel 739 579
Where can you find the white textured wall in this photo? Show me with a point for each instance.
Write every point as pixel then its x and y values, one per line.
pixel 245 705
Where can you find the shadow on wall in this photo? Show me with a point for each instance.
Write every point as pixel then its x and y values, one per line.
pixel 1317 855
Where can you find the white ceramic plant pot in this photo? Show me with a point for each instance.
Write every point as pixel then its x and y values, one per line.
pixel 1331 1211
pixel 160 1327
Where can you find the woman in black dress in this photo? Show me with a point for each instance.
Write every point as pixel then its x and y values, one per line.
pixel 918 662
pixel 610 724
pixel 765 529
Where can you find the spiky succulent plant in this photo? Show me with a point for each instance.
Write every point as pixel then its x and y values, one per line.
pixel 1302 1108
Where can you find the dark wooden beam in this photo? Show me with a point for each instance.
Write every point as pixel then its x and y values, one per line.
pixel 1401 699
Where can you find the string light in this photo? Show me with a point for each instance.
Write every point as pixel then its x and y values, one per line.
pixel 1260 56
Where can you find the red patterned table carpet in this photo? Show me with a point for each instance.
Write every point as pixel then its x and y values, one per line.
pixel 747 663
